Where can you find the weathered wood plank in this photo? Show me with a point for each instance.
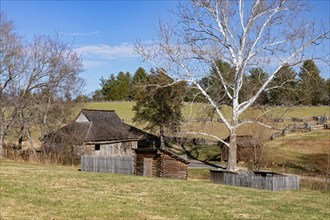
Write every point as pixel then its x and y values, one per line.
pixel 268 181
pixel 122 165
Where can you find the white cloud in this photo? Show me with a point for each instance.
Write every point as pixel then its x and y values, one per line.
pixel 90 64
pixel 103 51
pixel 78 34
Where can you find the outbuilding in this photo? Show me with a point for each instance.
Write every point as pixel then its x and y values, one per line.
pixel 107 144
pixel 160 163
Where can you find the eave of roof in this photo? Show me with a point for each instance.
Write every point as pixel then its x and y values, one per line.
pixel 162 151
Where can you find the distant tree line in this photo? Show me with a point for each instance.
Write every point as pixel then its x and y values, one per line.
pixel 305 87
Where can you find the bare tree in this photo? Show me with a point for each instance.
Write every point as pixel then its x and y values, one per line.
pixel 245 34
pixel 37 83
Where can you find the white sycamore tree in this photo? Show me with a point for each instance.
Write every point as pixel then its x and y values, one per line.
pixel 245 34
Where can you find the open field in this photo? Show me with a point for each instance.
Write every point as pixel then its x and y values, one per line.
pixel 195 119
pixel 297 151
pixel 124 110
pixel 56 192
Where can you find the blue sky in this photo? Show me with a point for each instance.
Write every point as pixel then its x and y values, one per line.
pixel 103 31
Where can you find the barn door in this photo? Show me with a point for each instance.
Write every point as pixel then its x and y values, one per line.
pixel 147 166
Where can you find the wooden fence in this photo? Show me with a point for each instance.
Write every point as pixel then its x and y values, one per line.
pixel 122 165
pixel 258 180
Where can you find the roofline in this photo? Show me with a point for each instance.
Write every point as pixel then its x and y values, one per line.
pixel 97 110
pixel 158 151
pixel 176 156
pixel 110 141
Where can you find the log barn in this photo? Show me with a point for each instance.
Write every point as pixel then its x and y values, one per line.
pixel 160 163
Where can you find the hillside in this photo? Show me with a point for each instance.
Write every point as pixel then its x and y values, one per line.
pixel 55 192
pixel 196 119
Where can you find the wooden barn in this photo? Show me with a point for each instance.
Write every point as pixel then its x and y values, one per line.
pixel 160 163
pixel 107 144
pixel 247 145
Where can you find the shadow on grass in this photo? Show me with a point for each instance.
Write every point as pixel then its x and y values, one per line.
pixel 203 154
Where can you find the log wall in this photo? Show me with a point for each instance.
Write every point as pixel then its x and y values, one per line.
pixel 172 168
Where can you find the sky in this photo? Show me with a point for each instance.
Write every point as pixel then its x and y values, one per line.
pixel 103 32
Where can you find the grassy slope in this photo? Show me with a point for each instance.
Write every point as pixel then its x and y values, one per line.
pixel 124 110
pixel 52 192
pixel 296 150
pixel 192 112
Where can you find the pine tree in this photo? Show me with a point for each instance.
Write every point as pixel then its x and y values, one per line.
pixel 283 89
pixel 117 88
pixel 139 80
pixel 254 81
pixel 159 104
pixel 313 89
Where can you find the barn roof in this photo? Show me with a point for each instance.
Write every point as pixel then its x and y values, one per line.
pixel 103 126
pixel 162 151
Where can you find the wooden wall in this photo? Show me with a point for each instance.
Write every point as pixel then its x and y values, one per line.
pixel 113 150
pixel 159 164
pixel 93 163
pixel 258 180
pixel 173 168
pixel 140 164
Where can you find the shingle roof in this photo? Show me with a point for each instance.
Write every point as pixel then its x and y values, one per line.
pixel 104 125
pixel 162 151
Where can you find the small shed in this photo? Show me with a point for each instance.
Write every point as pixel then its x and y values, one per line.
pixel 160 163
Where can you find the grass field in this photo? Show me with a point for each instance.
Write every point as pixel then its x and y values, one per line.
pixel 194 114
pixel 55 192
pixel 124 110
pixel 295 151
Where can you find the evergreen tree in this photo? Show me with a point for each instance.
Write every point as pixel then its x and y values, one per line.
pixel 123 86
pixel 139 80
pixel 108 87
pixel 210 82
pixel 327 97
pixel 255 80
pixel 117 88
pixel 283 89
pixel 159 104
pixel 313 90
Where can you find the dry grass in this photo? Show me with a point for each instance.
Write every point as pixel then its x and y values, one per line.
pixel 306 154
pixel 56 192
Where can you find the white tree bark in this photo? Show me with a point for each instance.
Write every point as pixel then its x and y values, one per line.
pixel 245 34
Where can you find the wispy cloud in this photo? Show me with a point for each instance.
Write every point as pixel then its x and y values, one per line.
pixel 104 51
pixel 79 34
pixel 90 64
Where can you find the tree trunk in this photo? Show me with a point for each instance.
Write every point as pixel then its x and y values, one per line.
pixel 232 152
pixel 1 143
pixel 32 145
pixel 162 141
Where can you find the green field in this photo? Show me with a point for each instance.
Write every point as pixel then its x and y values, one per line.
pixel 195 119
pixel 56 192
pixel 124 110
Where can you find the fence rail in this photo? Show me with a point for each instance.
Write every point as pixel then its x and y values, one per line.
pixel 258 180
pixel 122 165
